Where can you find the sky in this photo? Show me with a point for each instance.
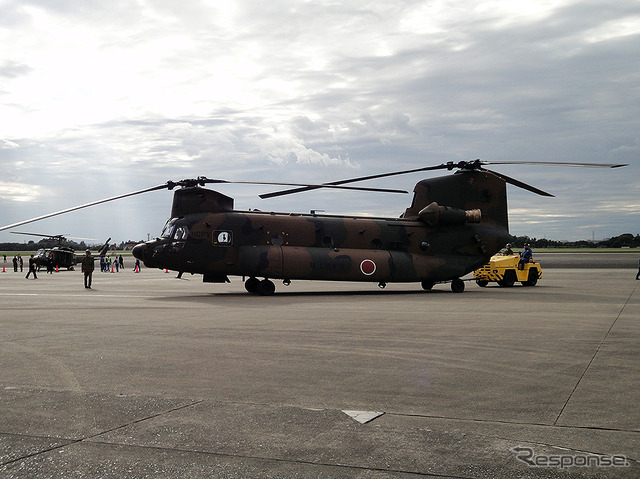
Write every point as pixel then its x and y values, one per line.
pixel 98 99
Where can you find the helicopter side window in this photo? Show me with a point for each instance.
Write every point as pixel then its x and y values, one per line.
pixel 181 233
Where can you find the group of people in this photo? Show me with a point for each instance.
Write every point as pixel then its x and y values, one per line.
pixel 525 257
pixel 17 262
pixel 107 264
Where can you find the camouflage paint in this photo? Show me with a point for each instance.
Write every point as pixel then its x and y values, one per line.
pixel 431 242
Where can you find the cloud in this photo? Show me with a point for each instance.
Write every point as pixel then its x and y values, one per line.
pixel 103 97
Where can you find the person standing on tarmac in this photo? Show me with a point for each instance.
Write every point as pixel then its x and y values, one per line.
pixel 638 274
pixel 87 269
pixel 32 268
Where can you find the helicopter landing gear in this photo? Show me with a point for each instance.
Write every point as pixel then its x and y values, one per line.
pixel 266 288
pixel 251 285
pixel 457 285
pixel 427 285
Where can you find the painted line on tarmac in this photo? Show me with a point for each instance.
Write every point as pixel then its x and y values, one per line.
pixel 93 295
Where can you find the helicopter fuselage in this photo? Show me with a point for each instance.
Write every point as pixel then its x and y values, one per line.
pixel 321 247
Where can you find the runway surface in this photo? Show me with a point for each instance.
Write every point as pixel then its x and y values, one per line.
pixel 147 375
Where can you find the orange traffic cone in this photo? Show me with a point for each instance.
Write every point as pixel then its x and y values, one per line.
pixel 112 269
pixel 166 270
pixel 56 268
pixel 3 270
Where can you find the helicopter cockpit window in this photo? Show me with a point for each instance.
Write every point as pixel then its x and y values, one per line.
pixel 167 231
pixel 180 234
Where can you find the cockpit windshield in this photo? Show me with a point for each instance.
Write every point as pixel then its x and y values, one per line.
pixel 167 231
pixel 175 231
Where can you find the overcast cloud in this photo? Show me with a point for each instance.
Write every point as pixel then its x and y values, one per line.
pixel 102 98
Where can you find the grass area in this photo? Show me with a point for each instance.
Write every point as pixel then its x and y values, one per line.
pixel 586 250
pixel 26 254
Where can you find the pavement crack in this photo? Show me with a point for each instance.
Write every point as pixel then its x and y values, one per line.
pixel 281 460
pixel 600 344
pixel 69 442
pixel 140 420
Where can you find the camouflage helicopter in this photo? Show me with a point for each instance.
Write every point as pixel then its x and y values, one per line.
pixel 453 226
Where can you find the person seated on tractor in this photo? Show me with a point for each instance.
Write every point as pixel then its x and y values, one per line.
pixel 507 250
pixel 525 257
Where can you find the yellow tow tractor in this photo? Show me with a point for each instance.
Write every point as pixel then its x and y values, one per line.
pixel 503 269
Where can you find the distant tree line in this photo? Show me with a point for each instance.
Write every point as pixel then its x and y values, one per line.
pixel 626 240
pixel 51 242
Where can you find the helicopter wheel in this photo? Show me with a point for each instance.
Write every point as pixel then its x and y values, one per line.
pixel 266 288
pixel 427 285
pixel 457 285
pixel 251 285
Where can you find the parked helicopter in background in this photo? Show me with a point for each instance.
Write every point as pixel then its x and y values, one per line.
pixel 62 256
pixel 453 226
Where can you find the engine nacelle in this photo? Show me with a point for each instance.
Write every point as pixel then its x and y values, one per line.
pixel 435 214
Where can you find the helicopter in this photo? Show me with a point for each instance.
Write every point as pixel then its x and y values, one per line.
pixel 62 256
pixel 453 226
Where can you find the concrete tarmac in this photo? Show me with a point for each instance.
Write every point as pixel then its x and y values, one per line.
pixel 149 376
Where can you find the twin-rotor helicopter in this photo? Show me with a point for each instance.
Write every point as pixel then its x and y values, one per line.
pixel 453 226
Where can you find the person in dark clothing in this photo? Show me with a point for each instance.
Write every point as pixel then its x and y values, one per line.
pixel 87 269
pixel 15 264
pixel 32 268
pixel 525 257
pixel 638 275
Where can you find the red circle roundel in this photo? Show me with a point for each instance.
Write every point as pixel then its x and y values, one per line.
pixel 368 267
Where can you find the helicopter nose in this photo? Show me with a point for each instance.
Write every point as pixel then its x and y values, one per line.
pixel 139 251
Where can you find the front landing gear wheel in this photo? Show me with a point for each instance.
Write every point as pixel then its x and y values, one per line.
pixel 251 285
pixel 457 285
pixel 266 288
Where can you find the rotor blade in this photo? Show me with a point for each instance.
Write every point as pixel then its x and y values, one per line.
pixel 350 180
pixel 519 184
pixel 93 203
pixel 307 185
pixel 556 163
pixel 38 234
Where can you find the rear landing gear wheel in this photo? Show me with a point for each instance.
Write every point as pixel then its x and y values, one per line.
pixel 427 285
pixel 266 288
pixel 482 283
pixel 457 285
